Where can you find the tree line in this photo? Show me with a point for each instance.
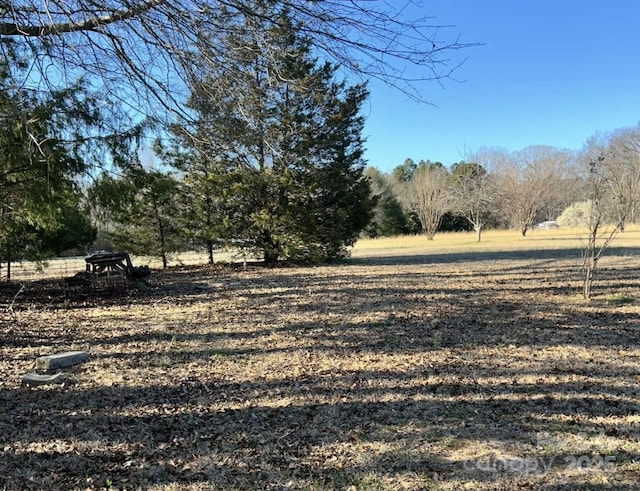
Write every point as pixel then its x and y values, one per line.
pixel 265 155
pixel 513 189
pixel 258 129
pixel 255 109
pixel 271 164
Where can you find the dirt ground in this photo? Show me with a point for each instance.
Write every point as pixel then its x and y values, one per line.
pixel 479 371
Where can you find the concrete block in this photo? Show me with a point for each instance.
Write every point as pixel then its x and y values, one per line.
pixel 61 360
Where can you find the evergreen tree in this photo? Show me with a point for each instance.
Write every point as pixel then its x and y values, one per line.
pixel 277 148
pixel 40 160
pixel 143 206
pixel 404 172
pixel 389 218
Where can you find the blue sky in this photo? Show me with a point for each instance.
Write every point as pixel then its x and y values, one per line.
pixel 548 72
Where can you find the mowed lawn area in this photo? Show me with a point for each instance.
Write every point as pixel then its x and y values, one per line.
pixel 445 364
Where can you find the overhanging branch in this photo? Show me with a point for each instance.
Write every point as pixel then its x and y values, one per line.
pixel 16 29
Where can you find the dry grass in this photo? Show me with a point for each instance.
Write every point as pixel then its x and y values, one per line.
pixel 444 367
pixel 492 241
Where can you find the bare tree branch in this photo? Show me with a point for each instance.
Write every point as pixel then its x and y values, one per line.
pixel 613 161
pixel 17 29
pixel 143 53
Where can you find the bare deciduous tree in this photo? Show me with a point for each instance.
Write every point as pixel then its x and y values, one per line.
pixel 613 184
pixel 624 174
pixel 426 195
pixel 472 190
pixel 527 183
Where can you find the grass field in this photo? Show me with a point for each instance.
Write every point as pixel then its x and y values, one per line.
pixel 493 241
pixel 416 365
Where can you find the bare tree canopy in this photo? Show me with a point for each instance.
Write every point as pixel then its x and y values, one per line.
pixel 613 191
pixel 473 192
pixel 426 195
pixel 144 51
pixel 528 181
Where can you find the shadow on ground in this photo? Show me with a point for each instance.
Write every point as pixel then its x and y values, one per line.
pixel 258 381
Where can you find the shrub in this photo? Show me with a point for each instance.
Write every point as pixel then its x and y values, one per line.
pixel 576 215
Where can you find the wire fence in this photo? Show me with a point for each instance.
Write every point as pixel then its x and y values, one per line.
pixel 54 268
pixel 60 268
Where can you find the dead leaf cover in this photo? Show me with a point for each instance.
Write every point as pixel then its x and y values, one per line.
pixel 479 372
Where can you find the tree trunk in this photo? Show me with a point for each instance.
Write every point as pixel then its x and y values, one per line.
pixel 590 265
pixel 210 252
pixel 588 282
pixel 270 255
pixel 271 249
pixel 161 235
pixel 8 270
pixel 478 229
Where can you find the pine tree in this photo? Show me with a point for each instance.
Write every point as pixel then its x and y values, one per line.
pixel 143 206
pixel 277 148
pixel 40 201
